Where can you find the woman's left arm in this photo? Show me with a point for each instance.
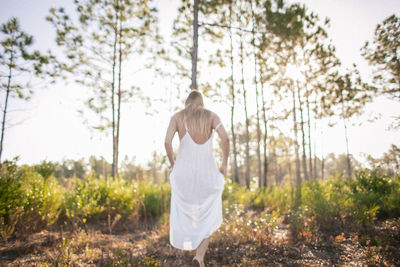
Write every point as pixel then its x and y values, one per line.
pixel 172 128
pixel 224 143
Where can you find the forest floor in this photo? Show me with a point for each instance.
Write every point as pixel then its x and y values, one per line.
pixel 247 238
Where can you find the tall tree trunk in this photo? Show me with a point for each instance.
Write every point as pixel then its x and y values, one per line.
pixel 119 92
pixel 154 168
pixel 3 124
pixel 322 159
pixel 102 167
pixel 315 174
pixel 349 171
pixel 315 140
pixel 275 165
pixel 303 138
pixel 195 44
pixel 309 139
pixel 296 144
pixel 114 163
pixel 265 170
pixel 346 137
pixel 257 101
pixel 247 161
pixel 235 164
pixel 289 165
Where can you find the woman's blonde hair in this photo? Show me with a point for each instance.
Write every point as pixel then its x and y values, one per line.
pixel 196 116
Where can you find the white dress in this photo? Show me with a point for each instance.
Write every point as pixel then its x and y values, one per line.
pixel 196 194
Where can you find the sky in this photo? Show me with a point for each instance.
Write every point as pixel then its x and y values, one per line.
pixel 49 128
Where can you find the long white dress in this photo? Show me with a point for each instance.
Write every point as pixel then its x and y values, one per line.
pixel 196 194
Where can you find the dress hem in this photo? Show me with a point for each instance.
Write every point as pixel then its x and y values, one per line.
pixel 200 240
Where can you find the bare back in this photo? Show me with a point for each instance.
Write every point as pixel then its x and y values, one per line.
pixel 197 137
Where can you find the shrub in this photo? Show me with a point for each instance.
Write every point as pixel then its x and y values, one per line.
pixel 84 199
pixel 370 193
pixel 42 199
pixel 97 198
pixel 45 169
pixel 323 204
pixel 368 196
pixel 28 201
pixel 392 209
pixel 11 205
pixel 120 197
pixel 235 194
pixel 154 199
pixel 272 199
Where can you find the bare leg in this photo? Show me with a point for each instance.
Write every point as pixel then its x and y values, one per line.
pixel 201 251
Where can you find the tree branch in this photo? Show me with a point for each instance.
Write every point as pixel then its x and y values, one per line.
pixel 230 27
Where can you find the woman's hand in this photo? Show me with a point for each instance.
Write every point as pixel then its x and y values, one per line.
pixel 222 169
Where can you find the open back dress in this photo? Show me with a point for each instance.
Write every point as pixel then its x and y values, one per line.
pixel 196 193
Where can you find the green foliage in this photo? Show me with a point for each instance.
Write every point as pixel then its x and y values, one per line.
pixel 28 201
pixel 275 198
pixel 84 199
pixel 11 207
pixel 45 169
pixel 41 198
pixel 31 198
pixel 16 61
pixel 96 198
pixel 329 197
pixel 95 46
pixel 119 196
pixel 154 199
pixel 393 200
pixel 234 193
pixel 15 58
pixel 320 203
pixel 69 168
pixel 325 203
pixel 370 196
pixel 389 163
pixel 382 54
pixel 363 199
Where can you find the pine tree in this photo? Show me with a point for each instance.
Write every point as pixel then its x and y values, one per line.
pixel 106 34
pixel 16 60
pixel 383 54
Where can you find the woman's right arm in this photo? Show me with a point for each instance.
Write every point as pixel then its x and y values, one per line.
pixel 172 128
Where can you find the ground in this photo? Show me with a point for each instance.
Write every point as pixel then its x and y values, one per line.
pixel 247 238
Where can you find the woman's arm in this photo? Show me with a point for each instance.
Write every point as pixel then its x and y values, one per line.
pixel 172 128
pixel 224 143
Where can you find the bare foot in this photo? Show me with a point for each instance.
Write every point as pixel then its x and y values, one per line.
pixel 198 262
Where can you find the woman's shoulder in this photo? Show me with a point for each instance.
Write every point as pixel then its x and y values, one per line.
pixel 209 112
pixel 213 115
pixel 177 116
pixel 214 118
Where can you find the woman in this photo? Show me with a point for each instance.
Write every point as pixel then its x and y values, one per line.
pixel 196 181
